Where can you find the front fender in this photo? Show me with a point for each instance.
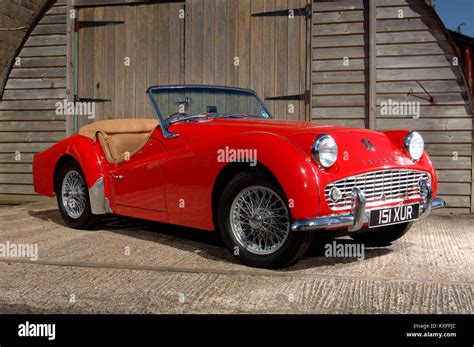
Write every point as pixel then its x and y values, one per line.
pixel 398 138
pixel 291 167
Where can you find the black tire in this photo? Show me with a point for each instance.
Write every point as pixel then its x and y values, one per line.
pixel 291 250
pixel 86 219
pixel 382 236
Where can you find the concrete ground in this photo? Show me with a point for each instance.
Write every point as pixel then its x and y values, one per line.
pixel 129 266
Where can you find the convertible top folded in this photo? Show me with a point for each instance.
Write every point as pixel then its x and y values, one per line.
pixel 120 138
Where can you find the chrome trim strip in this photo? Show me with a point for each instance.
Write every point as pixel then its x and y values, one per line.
pixel 99 203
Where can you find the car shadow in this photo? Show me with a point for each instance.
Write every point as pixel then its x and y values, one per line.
pixel 52 215
pixel 208 245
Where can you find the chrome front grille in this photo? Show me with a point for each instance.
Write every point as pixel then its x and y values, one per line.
pixel 380 187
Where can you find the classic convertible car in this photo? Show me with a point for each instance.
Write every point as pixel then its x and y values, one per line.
pixel 214 159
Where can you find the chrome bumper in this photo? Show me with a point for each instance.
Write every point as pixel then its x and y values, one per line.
pixel 359 216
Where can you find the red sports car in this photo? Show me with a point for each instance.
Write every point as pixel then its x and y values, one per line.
pixel 215 159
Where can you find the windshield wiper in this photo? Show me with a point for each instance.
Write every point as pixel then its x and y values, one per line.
pixel 186 118
pixel 230 116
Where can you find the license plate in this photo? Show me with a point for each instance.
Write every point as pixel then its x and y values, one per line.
pixel 394 215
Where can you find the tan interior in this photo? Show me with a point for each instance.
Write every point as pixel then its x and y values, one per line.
pixel 120 138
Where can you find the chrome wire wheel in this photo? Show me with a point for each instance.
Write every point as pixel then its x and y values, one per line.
pixel 73 194
pixel 260 220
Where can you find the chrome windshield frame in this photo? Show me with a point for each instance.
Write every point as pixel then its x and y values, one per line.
pixel 164 124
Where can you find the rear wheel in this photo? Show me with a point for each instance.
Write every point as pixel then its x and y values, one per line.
pixel 73 197
pixel 382 236
pixel 255 222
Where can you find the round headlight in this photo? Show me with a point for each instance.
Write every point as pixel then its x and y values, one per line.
pixel 324 151
pixel 415 145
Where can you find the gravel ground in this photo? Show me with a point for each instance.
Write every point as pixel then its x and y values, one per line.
pixel 130 266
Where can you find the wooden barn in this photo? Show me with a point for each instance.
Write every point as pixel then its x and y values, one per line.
pixel 342 62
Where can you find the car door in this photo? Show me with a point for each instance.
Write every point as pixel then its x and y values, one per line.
pixel 139 182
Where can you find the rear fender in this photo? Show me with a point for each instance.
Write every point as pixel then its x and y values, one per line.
pixel 78 148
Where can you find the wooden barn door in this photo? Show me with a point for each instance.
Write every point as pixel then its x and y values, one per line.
pixel 123 50
pixel 256 44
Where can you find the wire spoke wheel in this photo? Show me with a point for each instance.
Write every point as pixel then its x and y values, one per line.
pixel 260 220
pixel 73 194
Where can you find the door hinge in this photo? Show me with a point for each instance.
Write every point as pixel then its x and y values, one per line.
pixel 297 12
pixel 299 97
pixel 81 24
pixel 93 100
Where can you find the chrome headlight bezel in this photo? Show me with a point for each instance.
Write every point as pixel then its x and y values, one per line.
pixel 410 145
pixel 322 153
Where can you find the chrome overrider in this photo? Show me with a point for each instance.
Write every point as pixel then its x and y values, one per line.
pixel 355 219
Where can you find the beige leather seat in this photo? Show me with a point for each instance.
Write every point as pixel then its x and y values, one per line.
pixel 121 138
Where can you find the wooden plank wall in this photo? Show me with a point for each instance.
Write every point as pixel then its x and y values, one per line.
pixel 409 49
pixel 340 63
pixel 28 121
pixel 271 51
pixel 152 38
pixel 416 49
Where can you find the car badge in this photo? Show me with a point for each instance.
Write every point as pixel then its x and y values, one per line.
pixel 368 145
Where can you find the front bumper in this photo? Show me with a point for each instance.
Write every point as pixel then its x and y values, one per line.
pixel 358 217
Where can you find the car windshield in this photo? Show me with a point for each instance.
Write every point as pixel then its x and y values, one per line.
pixel 188 103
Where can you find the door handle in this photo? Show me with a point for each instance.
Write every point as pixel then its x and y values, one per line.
pixel 118 177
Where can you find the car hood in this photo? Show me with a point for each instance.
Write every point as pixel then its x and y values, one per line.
pixel 370 149
pixel 240 126
pixel 363 146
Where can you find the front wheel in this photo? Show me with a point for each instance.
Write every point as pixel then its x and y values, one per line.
pixel 382 236
pixel 73 197
pixel 254 221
